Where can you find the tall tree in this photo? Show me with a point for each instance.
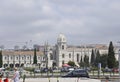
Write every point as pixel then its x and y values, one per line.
pixel 35 57
pixel 111 61
pixel 97 60
pixel 86 61
pixel 81 59
pixel 81 62
pixel 103 60
pixel 92 58
pixel 1 61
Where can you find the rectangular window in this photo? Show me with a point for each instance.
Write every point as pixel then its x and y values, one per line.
pixel 63 61
pixel 5 58
pixel 28 58
pixel 22 58
pixel 11 58
pixel 63 55
pixel 51 56
pixel 77 57
pixel 70 55
pixel 16 58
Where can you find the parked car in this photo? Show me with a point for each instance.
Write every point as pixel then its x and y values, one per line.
pixel 44 70
pixel 88 69
pixel 64 69
pixel 37 70
pixel 67 69
pixel 107 70
pixel 77 73
pixel 56 69
pixel 116 70
pixel 70 69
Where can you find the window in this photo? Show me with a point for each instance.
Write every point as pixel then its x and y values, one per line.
pixel 28 58
pixel 22 58
pixel 77 57
pixel 43 58
pixel 25 57
pixel 70 55
pixel 62 47
pixel 51 56
pixel 16 58
pixel 63 62
pixel 63 55
pixel 38 58
pixel 5 57
pixel 11 58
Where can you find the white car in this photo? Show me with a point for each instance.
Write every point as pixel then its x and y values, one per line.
pixel 37 70
pixel 70 69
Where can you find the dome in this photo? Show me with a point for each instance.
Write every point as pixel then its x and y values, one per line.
pixel 61 38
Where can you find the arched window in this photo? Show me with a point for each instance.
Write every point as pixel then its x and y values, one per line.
pixel 63 55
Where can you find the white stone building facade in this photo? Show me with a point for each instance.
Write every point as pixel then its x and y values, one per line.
pixel 62 53
pixel 21 58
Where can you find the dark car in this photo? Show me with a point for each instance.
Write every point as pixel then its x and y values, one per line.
pixel 44 70
pixel 64 69
pixel 107 70
pixel 77 73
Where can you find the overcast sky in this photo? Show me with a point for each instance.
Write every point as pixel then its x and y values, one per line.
pixel 37 21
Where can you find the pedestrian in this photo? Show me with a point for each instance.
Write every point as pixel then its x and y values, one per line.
pixel 16 76
pixel 24 76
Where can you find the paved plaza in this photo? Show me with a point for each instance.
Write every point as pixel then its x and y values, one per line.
pixel 59 80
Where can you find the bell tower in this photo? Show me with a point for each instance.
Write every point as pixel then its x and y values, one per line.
pixel 61 42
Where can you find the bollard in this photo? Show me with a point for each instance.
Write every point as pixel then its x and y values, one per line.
pixel 78 79
pixel 107 78
pixel 49 79
pixel 24 76
pixel 57 79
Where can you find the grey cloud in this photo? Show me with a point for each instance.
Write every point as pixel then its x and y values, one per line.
pixel 82 21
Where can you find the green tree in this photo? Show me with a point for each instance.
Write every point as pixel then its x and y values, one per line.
pixel 71 63
pixel 86 61
pixel 35 57
pixel 1 61
pixel 117 64
pixel 103 60
pixel 92 58
pixel 111 61
pixel 97 60
pixel 81 62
